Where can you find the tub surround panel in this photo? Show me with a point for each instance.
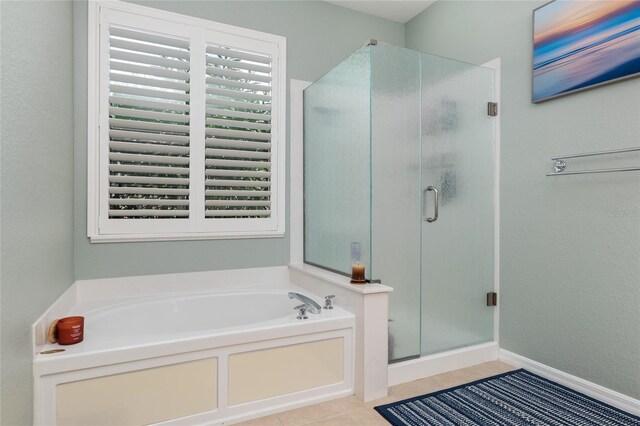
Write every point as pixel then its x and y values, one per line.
pixel 140 397
pixel 48 384
pixel 278 371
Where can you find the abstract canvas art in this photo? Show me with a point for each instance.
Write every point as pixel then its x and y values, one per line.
pixel 582 44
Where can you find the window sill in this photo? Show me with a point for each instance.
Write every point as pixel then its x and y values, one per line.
pixel 130 238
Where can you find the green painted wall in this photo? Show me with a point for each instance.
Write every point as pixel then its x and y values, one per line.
pixel 36 118
pixel 570 246
pixel 43 159
pixel 319 35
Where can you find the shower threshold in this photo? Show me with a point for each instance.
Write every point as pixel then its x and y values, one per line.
pixel 425 366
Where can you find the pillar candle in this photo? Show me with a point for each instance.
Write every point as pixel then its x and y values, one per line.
pixel 357 273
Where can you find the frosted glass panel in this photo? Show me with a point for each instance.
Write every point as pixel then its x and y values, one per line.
pixel 379 128
pixel 395 124
pixel 457 159
pixel 337 186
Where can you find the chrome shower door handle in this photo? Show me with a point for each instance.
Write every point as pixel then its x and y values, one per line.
pixel 436 201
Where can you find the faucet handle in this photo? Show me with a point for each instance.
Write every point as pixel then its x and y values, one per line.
pixel 327 301
pixel 302 311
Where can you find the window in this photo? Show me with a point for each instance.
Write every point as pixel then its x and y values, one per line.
pixel 186 127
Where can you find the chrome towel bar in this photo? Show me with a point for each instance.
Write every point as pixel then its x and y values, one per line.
pixel 560 164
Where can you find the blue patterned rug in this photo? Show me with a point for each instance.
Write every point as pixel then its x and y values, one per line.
pixel 514 398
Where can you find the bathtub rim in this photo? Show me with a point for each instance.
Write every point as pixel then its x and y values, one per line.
pixel 99 289
pixel 84 355
pixel 106 304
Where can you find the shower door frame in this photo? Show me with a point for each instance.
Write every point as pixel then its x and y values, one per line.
pixel 424 366
pixel 496 66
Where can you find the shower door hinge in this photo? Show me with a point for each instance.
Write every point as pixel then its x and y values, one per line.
pixel 492 299
pixel 492 109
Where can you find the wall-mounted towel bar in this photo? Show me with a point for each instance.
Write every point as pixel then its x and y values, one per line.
pixel 560 163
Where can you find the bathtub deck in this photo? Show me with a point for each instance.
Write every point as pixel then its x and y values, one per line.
pixel 99 348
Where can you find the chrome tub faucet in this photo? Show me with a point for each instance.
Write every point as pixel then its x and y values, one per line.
pixel 311 305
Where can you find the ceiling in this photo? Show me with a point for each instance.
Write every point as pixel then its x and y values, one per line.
pixel 394 10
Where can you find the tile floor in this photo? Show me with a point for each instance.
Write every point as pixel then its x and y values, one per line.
pixel 351 411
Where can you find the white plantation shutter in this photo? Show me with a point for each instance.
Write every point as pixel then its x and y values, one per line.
pixel 149 105
pixel 185 120
pixel 238 133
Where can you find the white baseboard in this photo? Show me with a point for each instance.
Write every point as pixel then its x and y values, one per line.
pixel 593 390
pixel 431 365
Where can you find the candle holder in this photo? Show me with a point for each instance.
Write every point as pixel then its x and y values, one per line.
pixel 70 330
pixel 357 274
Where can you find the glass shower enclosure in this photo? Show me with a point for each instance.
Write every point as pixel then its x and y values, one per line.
pixel 399 173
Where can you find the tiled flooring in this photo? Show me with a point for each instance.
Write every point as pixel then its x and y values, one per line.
pixel 350 411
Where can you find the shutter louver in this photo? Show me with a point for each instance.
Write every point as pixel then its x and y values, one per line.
pixel 149 133
pixel 238 134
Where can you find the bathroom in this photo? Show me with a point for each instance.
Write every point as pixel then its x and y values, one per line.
pixel 566 252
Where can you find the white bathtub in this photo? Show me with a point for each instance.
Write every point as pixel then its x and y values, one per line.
pixel 194 314
pixel 195 358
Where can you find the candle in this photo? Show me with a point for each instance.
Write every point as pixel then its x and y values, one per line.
pixel 357 274
pixel 70 330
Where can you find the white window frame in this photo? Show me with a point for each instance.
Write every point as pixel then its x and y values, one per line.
pixel 194 228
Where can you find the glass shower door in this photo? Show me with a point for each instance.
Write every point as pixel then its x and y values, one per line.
pixel 395 208
pixel 458 172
